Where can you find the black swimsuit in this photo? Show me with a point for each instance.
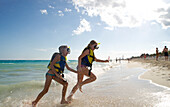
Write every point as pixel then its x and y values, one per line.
pixel 165 53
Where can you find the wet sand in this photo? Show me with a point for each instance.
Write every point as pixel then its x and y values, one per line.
pixel 158 71
pixel 122 87
pixel 119 86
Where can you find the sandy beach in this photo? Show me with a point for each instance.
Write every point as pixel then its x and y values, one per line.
pixel 117 85
pixel 157 71
pixel 102 53
pixel 121 86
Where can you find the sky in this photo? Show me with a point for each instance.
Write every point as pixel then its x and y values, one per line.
pixel 34 29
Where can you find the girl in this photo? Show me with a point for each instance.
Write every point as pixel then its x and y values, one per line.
pixel 85 60
pixel 55 72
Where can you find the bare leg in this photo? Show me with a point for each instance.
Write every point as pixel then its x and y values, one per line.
pixel 91 79
pixel 166 58
pixel 65 85
pixel 80 78
pixel 44 91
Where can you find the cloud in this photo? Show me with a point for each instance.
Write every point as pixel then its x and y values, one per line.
pixel 125 13
pixel 84 26
pixel 109 28
pixel 50 6
pixel 153 23
pixel 60 13
pixel 99 24
pixel 67 10
pixel 43 11
pixel 164 19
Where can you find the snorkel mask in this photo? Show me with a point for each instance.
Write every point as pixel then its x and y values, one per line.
pixel 96 47
pixel 68 50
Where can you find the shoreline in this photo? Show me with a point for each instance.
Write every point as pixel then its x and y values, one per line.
pixel 116 83
pixel 158 72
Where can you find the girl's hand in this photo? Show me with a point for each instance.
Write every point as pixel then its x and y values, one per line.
pixel 106 60
pixel 59 76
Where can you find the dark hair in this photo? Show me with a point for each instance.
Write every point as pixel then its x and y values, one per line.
pixel 165 46
pixel 92 42
pixel 62 47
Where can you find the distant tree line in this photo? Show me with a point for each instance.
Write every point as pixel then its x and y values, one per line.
pixel 149 55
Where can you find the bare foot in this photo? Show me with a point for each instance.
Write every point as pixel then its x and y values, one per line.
pixel 64 102
pixel 34 104
pixel 69 98
pixel 79 87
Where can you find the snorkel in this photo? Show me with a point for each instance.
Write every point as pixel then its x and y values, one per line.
pixel 68 50
pixel 64 50
pixel 96 46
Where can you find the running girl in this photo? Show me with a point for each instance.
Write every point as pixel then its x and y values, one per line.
pixel 85 60
pixel 55 72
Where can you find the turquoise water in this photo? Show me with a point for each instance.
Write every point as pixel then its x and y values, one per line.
pixel 22 80
pixel 16 71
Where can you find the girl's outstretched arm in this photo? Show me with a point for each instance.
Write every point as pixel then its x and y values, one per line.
pixel 99 60
pixel 70 69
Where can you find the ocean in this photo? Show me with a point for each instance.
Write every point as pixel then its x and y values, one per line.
pixel 22 80
pixel 117 85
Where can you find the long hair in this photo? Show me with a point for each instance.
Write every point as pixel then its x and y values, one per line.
pixel 91 43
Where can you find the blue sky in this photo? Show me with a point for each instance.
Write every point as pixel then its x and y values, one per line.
pixel 34 29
